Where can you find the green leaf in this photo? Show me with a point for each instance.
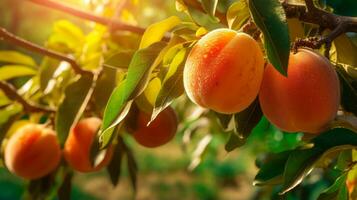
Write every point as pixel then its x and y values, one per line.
pixel 4 100
pixel 272 170
pixel 237 14
pixel 234 142
pixel 103 88
pixel 172 86
pixel 270 17
pixel 210 6
pixel 46 72
pixel 298 166
pixel 204 20
pixel 132 168
pixel 120 100
pixel 244 123
pixel 346 50
pixel 14 71
pixel 348 92
pixel 114 167
pixel 66 37
pixel 8 115
pixel 156 31
pixel 296 29
pixel 247 119
pixel 77 96
pixel 16 57
pixel 336 191
pixel 224 119
pixel 64 190
pixel 302 161
pixel 120 60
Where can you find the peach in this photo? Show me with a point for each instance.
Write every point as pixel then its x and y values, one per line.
pixel 159 132
pixel 304 101
pixel 32 152
pixel 78 144
pixel 224 71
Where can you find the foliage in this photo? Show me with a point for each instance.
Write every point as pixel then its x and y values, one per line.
pixel 130 67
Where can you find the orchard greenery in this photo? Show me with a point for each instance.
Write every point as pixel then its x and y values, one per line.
pixel 112 69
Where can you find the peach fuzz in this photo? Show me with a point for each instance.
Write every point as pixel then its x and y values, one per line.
pixel 32 152
pixel 159 132
pixel 307 99
pixel 77 147
pixel 223 71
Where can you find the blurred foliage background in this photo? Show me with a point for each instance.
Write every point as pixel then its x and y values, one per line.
pixel 167 172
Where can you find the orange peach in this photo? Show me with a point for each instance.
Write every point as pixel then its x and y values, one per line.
pixel 78 145
pixel 307 99
pixel 32 151
pixel 224 71
pixel 159 132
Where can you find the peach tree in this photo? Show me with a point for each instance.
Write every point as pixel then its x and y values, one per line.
pixel 130 76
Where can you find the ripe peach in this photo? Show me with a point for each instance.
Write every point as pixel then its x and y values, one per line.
pixel 159 132
pixel 78 144
pixel 32 151
pixel 224 71
pixel 307 99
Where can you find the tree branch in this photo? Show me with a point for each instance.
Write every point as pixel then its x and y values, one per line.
pixel 115 24
pixel 10 92
pixel 311 14
pixel 13 39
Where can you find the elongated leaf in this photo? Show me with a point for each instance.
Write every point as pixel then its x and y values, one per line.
pixel 270 17
pixel 114 167
pixel 120 59
pixel 64 191
pixel 296 29
pixel 66 37
pixel 172 86
pixel 7 115
pixel 336 191
pixel 204 20
pixel 16 57
pixel 346 50
pixel 272 170
pixel 302 161
pixel 233 142
pixel 14 71
pixel 237 14
pixel 104 87
pixel 120 100
pixel 46 71
pixel 156 32
pixel 4 100
pixel 210 6
pixel 348 92
pixel 247 119
pixel 224 120
pixel 77 95
pixel 132 168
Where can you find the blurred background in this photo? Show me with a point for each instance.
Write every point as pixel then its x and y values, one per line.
pixel 186 168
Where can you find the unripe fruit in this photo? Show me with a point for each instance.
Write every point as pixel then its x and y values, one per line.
pixel 307 99
pixel 159 132
pixel 32 151
pixel 78 145
pixel 224 71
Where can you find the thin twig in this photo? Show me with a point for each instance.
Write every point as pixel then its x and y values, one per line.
pixel 10 92
pixel 116 24
pixel 13 39
pixel 311 14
